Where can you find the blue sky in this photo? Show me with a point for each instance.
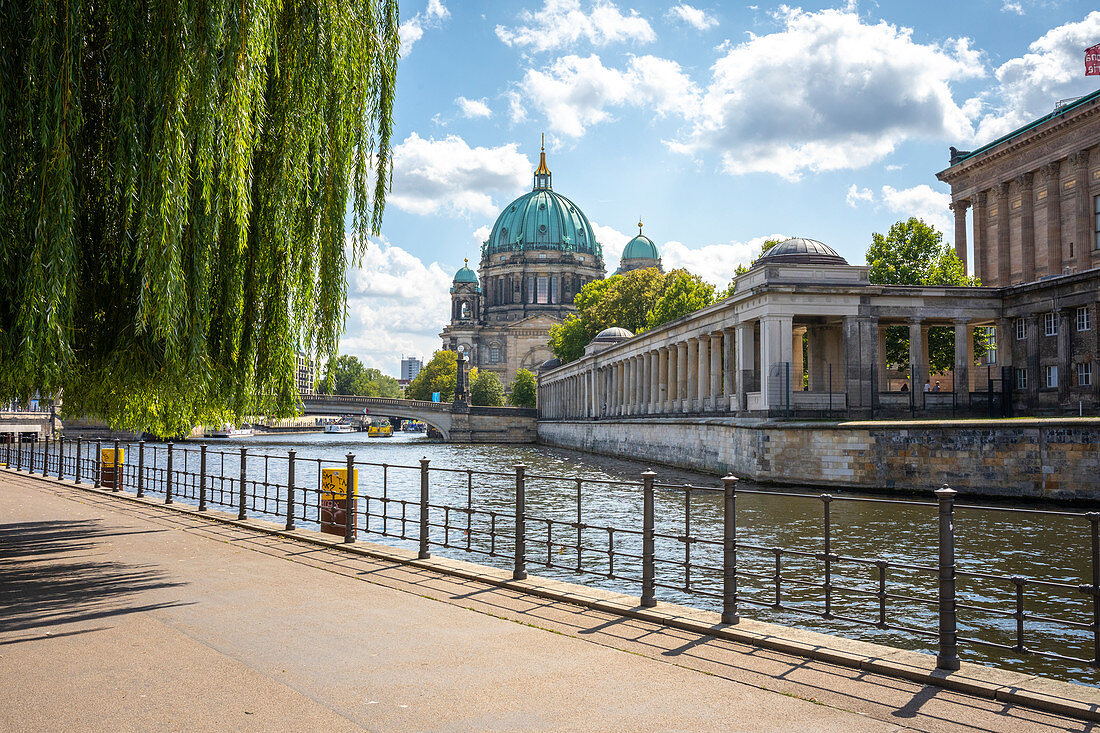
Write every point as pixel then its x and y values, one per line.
pixel 719 124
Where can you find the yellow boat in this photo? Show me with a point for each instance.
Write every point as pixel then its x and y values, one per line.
pixel 380 429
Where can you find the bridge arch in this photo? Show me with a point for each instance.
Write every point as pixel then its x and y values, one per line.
pixel 436 414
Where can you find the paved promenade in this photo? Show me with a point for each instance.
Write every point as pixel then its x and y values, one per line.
pixel 118 616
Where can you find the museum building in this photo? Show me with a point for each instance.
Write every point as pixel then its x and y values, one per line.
pixel 540 252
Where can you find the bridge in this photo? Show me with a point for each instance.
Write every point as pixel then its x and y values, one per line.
pixel 457 422
pixel 26 423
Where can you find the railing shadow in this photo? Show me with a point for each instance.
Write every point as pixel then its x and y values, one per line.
pixel 46 578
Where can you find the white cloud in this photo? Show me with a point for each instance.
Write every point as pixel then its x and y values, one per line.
pixel 412 30
pixel 563 23
pixel 828 92
pixel 574 91
pixel 396 305
pixel 857 195
pixel 1028 86
pixel 923 202
pixel 715 263
pixel 613 243
pixel 473 108
pixel 1011 6
pixel 435 176
pixel 698 19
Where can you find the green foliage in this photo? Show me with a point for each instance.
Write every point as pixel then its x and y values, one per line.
pixel 174 178
pixel 914 253
pixel 637 301
pixel 524 390
pixel 486 390
pixel 683 293
pixel 347 375
pixel 438 375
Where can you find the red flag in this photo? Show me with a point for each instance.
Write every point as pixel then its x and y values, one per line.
pixel 1092 60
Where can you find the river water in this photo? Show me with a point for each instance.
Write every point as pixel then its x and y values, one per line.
pixel 1040 546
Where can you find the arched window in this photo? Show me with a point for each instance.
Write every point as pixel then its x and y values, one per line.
pixel 465 310
pixel 494 353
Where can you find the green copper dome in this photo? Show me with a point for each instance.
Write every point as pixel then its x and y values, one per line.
pixel 542 220
pixel 466 275
pixel 640 248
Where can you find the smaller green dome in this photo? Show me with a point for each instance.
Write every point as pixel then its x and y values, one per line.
pixel 640 248
pixel 466 275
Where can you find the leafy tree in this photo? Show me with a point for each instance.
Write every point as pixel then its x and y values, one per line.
pixel 524 390
pixel 486 390
pixel 683 293
pixel 914 253
pixel 347 375
pixel 438 375
pixel 174 179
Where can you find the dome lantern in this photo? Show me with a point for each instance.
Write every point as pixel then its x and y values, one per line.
pixel 542 173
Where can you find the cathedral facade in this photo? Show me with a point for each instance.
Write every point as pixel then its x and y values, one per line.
pixel 540 253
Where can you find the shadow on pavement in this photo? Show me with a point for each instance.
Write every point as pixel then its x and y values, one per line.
pixel 47 578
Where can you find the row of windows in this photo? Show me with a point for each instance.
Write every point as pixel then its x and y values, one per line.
pixel 1082 320
pixel 1050 376
pixel 1096 212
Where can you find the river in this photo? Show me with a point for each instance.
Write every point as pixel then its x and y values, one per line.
pixel 1049 547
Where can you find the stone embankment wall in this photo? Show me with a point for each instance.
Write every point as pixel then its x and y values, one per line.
pixel 1052 459
pixel 494 425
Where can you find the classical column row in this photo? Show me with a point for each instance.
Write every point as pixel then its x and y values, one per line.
pixel 565 398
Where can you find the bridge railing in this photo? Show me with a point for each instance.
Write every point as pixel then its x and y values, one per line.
pixel 716 546
pixel 378 401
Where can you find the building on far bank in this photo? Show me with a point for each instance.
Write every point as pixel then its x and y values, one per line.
pixel 306 374
pixel 639 253
pixel 410 367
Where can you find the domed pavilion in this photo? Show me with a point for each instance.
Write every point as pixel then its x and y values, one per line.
pixel 639 253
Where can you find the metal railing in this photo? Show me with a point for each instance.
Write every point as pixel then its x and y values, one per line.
pixel 517 519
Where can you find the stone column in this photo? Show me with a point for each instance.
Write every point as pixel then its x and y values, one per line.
pixel 959 208
pixel 729 368
pixel 1052 176
pixel 775 351
pixel 964 357
pixel 860 341
pixel 613 402
pixel 691 387
pixel 797 365
pixel 918 357
pixel 1066 327
pixel 716 370
pixel 1027 225
pixel 704 372
pixel 662 379
pixel 880 359
pixel 745 368
pixel 673 378
pixel 981 249
pixel 1004 260
pixel 655 372
pixel 1083 216
pixel 683 369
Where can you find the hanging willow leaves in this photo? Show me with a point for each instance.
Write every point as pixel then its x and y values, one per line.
pixel 174 180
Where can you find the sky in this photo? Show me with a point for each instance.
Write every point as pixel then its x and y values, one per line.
pixel 719 124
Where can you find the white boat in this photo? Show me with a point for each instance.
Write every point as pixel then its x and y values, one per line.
pixel 339 427
pixel 231 431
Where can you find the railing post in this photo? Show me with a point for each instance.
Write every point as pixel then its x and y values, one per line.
pixel 60 458
pixel 729 550
pixel 118 470
pixel 649 580
pixel 98 463
pixel 141 469
pixel 948 656
pixel 46 456
pixel 350 501
pixel 79 457
pixel 289 487
pixel 168 476
pixel 19 452
pixel 202 477
pixel 242 492
pixel 519 567
pixel 424 553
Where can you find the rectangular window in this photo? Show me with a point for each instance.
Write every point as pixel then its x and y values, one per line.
pixel 991 345
pixel 1096 212
pixel 544 290
pixel 554 290
pixel 1050 324
pixel 1021 329
pixel 1084 374
pixel 494 354
pixel 1021 379
pixel 530 288
pixel 1083 318
pixel 1051 374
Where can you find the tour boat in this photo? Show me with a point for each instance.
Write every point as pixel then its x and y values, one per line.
pixel 380 429
pixel 231 431
pixel 339 427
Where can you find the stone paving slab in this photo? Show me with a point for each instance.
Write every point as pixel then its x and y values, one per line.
pixel 123 615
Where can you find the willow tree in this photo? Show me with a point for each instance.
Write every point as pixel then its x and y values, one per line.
pixel 174 181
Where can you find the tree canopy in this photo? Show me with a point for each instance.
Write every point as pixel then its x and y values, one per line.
pixel 174 180
pixel 914 253
pixel 524 391
pixel 486 390
pixel 346 375
pixel 438 375
pixel 638 301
